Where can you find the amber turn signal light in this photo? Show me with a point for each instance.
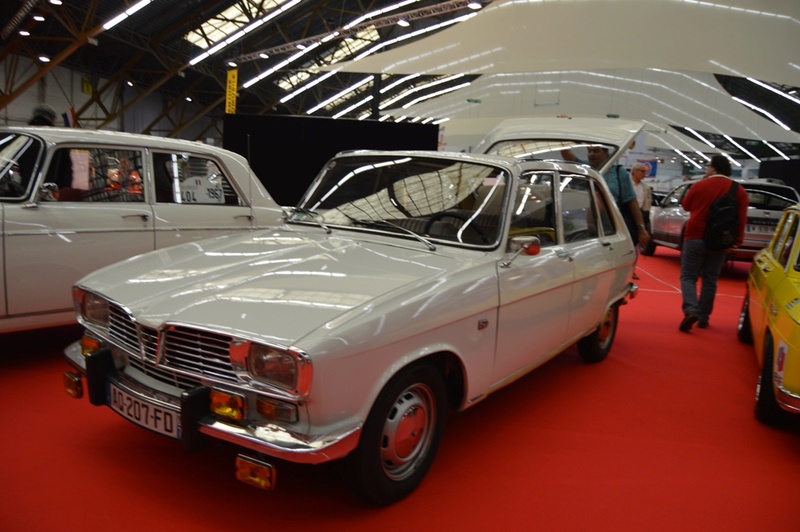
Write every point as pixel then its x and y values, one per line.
pixel 255 472
pixel 228 405
pixel 73 384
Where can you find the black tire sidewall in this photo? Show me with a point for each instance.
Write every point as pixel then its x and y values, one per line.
pixel 369 479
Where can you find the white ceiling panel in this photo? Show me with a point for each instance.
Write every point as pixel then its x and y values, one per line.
pixel 651 60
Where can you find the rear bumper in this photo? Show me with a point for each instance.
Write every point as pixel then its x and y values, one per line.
pixel 787 400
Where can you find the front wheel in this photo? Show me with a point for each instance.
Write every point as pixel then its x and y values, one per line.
pixel 401 435
pixel 744 331
pixel 595 347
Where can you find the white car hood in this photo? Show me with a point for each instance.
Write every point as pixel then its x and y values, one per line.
pixel 276 284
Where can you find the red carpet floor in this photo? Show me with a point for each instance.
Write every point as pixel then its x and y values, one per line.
pixel 660 436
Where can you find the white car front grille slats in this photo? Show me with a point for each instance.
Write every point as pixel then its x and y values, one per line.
pixel 188 354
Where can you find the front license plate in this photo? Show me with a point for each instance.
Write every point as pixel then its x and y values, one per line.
pixel 144 414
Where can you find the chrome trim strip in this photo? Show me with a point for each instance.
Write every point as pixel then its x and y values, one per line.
pixel 278 442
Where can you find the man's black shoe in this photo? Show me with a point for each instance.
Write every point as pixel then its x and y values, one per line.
pixel 687 322
pixel 702 324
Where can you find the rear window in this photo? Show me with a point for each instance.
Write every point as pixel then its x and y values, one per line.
pixel 770 197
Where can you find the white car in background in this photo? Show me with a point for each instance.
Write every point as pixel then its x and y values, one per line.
pixel 73 200
pixel 402 284
pixel 766 203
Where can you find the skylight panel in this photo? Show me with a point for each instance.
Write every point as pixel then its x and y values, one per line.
pixel 229 21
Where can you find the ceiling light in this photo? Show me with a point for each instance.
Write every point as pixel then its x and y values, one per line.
pixel 474 5
pixel 403 22
pixel 24 33
pixel 232 64
pixel 56 2
pixel 38 18
pixel 125 14
pixel 44 59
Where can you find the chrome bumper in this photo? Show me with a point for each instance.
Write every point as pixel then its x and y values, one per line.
pixel 196 422
pixel 787 400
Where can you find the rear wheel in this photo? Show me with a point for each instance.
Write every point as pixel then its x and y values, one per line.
pixel 767 409
pixel 401 435
pixel 596 346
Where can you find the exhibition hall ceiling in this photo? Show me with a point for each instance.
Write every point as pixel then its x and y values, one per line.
pixel 699 73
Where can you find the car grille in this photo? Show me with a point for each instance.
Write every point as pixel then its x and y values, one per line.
pixel 189 354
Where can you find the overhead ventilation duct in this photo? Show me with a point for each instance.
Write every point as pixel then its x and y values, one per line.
pixel 18 17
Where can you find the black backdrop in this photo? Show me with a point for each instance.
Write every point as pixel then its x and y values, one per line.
pixel 287 152
pixel 786 171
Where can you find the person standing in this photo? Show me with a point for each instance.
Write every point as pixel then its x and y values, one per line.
pixel 621 186
pixel 698 262
pixel 43 115
pixel 644 196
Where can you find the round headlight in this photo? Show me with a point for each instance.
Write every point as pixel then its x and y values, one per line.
pixel 272 366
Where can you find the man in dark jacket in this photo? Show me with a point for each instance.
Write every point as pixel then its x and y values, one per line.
pixel 697 260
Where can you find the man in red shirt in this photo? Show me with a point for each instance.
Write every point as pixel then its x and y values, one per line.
pixel 697 260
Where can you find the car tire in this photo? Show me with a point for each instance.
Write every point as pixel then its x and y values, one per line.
pixel 649 249
pixel 767 410
pixel 744 330
pixel 596 346
pixel 401 435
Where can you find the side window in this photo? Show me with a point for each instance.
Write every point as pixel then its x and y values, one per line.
pixel 784 240
pixel 97 174
pixel 577 211
pixel 18 158
pixel 533 209
pixel 674 198
pixel 190 179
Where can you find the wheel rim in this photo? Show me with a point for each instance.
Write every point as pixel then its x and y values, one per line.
pixel 605 333
pixel 408 432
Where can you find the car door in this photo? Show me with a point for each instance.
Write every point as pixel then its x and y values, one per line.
pixel 598 247
pixel 768 272
pixel 535 291
pixel 195 198
pixel 94 214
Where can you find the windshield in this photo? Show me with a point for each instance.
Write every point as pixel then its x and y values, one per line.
pixel 18 156
pixel 549 149
pixel 436 198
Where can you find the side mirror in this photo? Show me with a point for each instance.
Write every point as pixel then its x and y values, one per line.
pixel 47 192
pixel 530 245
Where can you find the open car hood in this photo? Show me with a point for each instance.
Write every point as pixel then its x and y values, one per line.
pixel 547 136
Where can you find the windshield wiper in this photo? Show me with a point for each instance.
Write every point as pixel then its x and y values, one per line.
pixel 313 215
pixel 385 223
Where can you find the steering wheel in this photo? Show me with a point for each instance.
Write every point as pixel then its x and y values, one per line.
pixel 458 216
pixel 8 185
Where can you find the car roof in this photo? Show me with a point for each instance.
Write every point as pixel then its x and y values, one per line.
pixel 480 158
pixel 59 135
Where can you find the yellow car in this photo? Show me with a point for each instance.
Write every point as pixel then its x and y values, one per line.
pixel 770 320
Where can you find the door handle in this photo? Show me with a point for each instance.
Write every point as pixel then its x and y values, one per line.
pixel 143 216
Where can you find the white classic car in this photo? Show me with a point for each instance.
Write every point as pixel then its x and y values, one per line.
pixel 74 200
pixel 403 284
